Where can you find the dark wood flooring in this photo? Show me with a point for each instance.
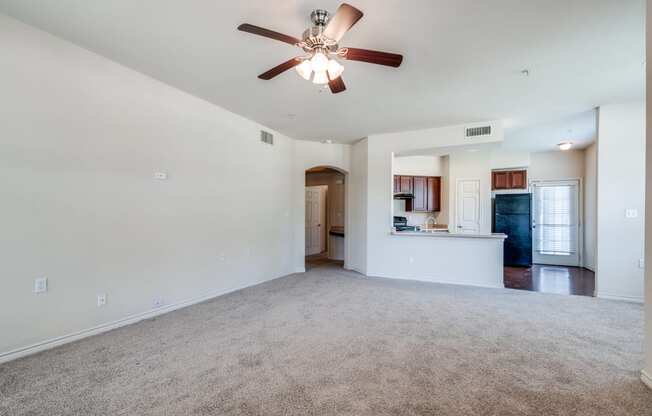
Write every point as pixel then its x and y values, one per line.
pixel 551 279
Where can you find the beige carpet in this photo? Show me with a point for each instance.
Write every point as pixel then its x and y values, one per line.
pixel 330 342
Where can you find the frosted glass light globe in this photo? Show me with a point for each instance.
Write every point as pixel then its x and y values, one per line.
pixel 320 78
pixel 319 62
pixel 334 69
pixel 304 69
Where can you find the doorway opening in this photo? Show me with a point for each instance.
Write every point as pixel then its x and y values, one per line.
pixel 324 217
pixel 543 251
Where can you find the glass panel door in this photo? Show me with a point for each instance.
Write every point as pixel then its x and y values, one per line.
pixel 555 224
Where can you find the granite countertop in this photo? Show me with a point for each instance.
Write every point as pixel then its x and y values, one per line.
pixel 447 234
pixel 337 231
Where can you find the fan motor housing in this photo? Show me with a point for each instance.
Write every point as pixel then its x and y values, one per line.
pixel 313 38
pixel 319 17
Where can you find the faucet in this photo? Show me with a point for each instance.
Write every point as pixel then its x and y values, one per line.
pixel 430 218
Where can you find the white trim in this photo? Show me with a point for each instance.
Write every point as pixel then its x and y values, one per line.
pixel 445 282
pixel 625 298
pixel 96 330
pixel 646 379
pixel 355 269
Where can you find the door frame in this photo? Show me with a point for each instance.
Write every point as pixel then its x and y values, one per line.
pixel 457 203
pixel 580 211
pixel 323 218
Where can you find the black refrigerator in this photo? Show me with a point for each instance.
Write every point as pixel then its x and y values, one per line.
pixel 513 216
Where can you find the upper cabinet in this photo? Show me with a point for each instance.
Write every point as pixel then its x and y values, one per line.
pixel 420 201
pixel 425 189
pixel 403 184
pixel 434 194
pixel 509 179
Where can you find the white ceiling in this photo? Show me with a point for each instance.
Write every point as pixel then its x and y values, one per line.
pixel 462 57
pixel 579 129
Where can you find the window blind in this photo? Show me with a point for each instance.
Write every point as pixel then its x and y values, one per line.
pixel 556 212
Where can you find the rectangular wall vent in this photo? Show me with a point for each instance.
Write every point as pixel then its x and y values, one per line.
pixel 266 137
pixel 478 131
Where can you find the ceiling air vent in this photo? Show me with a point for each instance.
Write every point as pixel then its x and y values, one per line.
pixel 266 137
pixel 479 131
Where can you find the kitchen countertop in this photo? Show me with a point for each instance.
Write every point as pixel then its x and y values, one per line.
pixel 446 234
pixel 337 231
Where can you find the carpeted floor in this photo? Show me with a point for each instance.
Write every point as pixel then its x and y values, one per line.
pixel 329 342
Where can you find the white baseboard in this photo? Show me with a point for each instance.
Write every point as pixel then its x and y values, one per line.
pixel 625 298
pixel 354 269
pixel 132 319
pixel 445 282
pixel 646 379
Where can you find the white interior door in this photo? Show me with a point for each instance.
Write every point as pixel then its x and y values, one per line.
pixel 468 206
pixel 556 223
pixel 315 219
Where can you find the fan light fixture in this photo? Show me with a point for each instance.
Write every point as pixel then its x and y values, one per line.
pixel 320 43
pixel 320 66
pixel 565 145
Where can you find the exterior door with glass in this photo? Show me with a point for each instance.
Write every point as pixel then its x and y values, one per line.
pixel 556 223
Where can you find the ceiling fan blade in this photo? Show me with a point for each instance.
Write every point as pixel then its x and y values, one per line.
pixel 373 57
pixel 261 31
pixel 336 85
pixel 279 69
pixel 343 20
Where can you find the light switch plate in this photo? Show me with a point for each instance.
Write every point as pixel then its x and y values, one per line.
pixel 641 264
pixel 101 299
pixel 41 285
pixel 631 213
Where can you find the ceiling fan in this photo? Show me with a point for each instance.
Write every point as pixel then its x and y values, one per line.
pixel 320 42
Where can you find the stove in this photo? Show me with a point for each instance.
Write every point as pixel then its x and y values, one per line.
pixel 400 224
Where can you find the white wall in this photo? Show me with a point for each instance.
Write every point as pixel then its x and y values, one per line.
pixel 502 158
pixel 590 205
pixel 80 140
pixel 556 165
pixel 647 372
pixel 417 165
pixel 356 229
pixel 621 186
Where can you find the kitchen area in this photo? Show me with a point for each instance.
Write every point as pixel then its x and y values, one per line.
pixel 420 200
pixel 440 229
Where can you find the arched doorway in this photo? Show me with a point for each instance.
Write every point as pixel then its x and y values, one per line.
pixel 325 217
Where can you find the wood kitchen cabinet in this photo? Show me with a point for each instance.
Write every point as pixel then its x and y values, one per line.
pixel 509 179
pixel 434 194
pixel 406 184
pixel 420 201
pixel 425 189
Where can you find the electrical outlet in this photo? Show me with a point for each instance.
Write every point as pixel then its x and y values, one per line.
pixel 641 264
pixel 101 299
pixel 157 302
pixel 41 285
pixel 222 257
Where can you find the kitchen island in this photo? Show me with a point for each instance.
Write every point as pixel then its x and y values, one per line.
pixel 442 257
